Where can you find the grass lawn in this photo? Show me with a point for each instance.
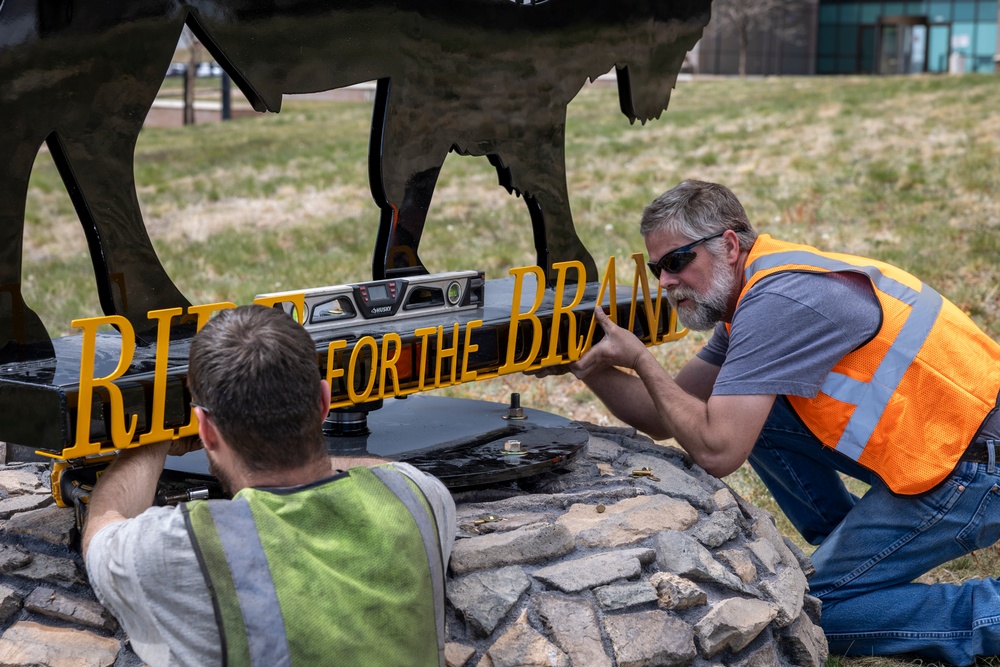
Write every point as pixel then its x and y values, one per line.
pixel 902 169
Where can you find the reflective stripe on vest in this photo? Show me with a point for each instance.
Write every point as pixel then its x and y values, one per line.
pixel 869 398
pixel 397 483
pixel 256 595
pixel 908 402
pixel 245 595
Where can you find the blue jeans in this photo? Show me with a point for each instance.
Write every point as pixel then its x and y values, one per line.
pixel 873 547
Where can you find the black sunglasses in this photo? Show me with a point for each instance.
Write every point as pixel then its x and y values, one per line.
pixel 675 260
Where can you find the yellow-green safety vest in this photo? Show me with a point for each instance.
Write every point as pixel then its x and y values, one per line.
pixel 347 571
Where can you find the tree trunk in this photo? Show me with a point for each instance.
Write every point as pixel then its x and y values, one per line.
pixel 189 84
pixel 744 40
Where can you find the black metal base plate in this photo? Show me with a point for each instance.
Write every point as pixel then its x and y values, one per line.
pixel 459 441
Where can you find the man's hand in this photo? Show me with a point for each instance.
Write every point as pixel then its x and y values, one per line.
pixel 619 347
pixel 718 431
pixel 549 371
pixel 182 446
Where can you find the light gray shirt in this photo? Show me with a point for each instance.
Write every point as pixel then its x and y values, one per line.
pixel 145 571
pixel 789 331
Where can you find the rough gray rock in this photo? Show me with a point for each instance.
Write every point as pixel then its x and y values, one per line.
pixel 628 521
pixel 804 643
pixel 573 576
pixel 623 596
pixel 523 646
pixel 732 624
pixel 51 524
pixel 530 544
pixel 64 607
pixel 683 555
pixel 484 598
pixel 573 624
pixel 17 504
pixel 650 639
pixel 26 644
pixel 676 592
pixel 10 603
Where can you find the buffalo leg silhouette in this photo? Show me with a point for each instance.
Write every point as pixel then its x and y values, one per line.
pixel 81 77
pixel 22 334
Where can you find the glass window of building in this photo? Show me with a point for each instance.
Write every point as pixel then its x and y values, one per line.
pixel 906 37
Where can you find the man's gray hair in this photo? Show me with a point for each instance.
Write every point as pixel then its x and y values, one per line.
pixel 696 209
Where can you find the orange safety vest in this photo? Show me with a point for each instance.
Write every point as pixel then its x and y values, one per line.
pixel 907 403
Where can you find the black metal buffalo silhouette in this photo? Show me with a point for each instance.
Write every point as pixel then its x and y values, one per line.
pixel 81 77
pixel 479 77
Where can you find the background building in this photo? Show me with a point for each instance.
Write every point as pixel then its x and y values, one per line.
pixel 845 37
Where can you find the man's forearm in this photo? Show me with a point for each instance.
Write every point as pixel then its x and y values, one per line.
pixel 626 396
pixel 718 433
pixel 655 404
pixel 125 489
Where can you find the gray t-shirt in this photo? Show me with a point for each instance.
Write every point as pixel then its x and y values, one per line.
pixel 145 571
pixel 791 328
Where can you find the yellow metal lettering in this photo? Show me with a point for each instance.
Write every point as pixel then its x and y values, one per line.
pixel 205 311
pixel 331 372
pixel 423 334
pixel 640 281
pixel 573 346
pixel 120 435
pixel 516 316
pixel 385 355
pixel 366 341
pixel 387 365
pixel 609 284
pixel 297 300
pixel 467 349
pixel 446 353
pixel 157 432
pixel 673 333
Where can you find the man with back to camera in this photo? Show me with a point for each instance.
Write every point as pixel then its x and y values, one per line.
pixel 312 562
pixel 820 364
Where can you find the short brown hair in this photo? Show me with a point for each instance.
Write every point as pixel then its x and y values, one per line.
pixel 255 370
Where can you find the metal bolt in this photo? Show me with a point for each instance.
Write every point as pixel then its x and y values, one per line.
pixel 515 411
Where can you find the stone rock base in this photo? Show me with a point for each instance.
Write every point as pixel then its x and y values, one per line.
pixel 628 557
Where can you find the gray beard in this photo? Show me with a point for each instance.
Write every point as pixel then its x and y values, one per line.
pixel 708 309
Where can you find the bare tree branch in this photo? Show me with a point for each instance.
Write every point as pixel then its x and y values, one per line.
pixel 782 18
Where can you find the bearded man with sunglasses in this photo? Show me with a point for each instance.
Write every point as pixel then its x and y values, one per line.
pixel 314 561
pixel 823 364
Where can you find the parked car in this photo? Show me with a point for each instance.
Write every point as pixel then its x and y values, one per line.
pixel 208 69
